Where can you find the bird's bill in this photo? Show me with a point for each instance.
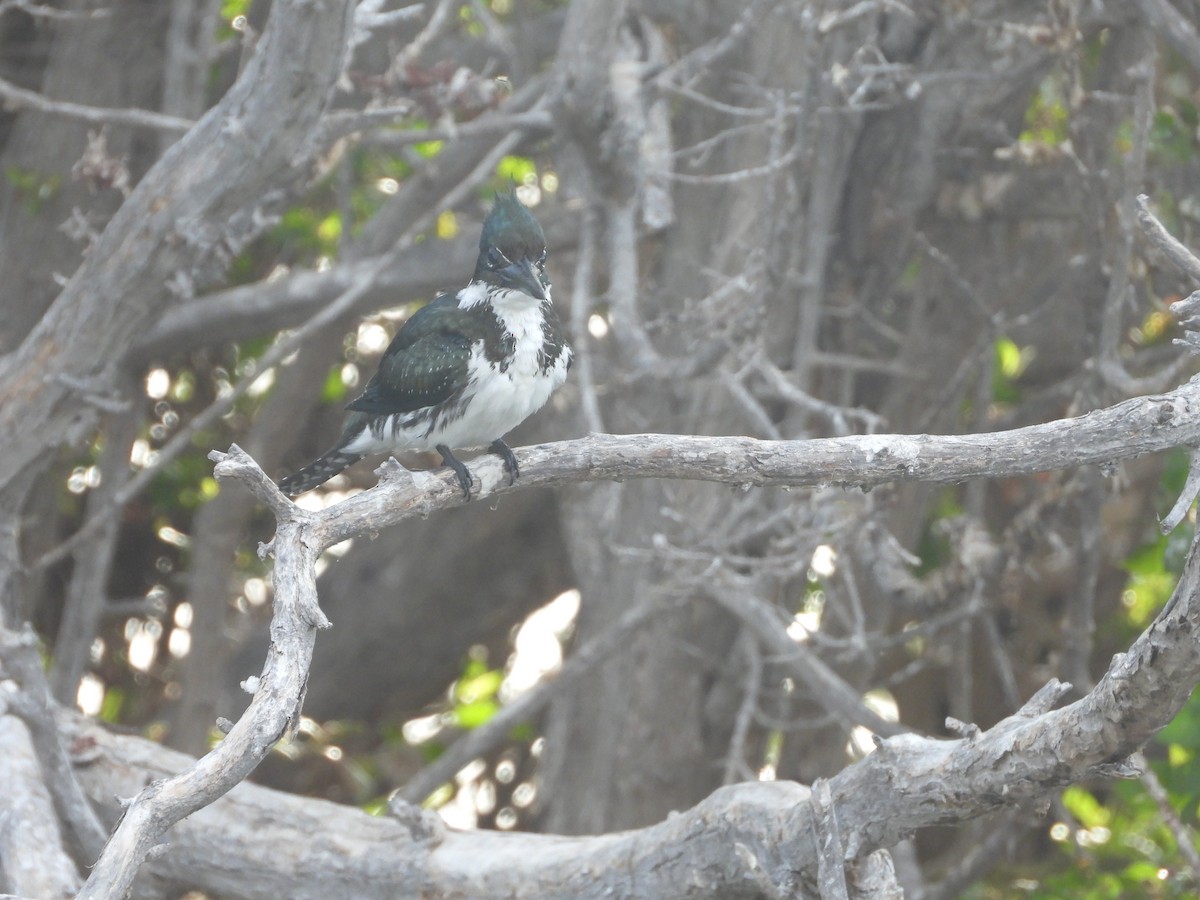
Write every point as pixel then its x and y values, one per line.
pixel 522 276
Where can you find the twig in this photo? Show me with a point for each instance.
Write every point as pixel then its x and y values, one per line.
pixel 339 124
pixel 43 11
pixel 1191 489
pixel 581 311
pixel 826 687
pixel 1081 607
pixel 438 23
pixel 87 592
pixel 1178 31
pixel 1185 837
pixel 734 763
pixel 1162 240
pixel 623 292
pixel 368 19
pixel 15 97
pixel 1120 250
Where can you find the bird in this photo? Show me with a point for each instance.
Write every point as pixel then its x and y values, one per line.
pixel 466 368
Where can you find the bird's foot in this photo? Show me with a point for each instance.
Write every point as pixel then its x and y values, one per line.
pixel 464 477
pixel 501 449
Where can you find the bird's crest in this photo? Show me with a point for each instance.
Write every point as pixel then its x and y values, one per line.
pixel 512 229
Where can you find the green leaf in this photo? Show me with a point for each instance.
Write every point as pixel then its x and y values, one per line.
pixel 110 709
pixel 478 687
pixel 334 388
pixel 519 169
pixel 472 715
pixel 1085 807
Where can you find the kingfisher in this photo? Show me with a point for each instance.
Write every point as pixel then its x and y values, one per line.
pixel 466 368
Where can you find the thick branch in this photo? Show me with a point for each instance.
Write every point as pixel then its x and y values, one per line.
pixel 1104 437
pixel 31 851
pixel 179 227
pixel 274 712
pixel 744 834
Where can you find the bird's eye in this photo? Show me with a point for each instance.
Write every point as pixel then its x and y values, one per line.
pixel 497 260
pixel 541 263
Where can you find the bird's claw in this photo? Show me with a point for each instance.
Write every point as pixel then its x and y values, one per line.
pixel 464 476
pixel 502 450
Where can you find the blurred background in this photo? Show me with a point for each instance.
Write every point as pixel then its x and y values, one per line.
pixel 778 219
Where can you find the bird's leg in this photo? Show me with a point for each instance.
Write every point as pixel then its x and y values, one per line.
pixel 464 477
pixel 501 449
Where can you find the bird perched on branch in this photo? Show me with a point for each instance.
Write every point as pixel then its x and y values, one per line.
pixel 466 368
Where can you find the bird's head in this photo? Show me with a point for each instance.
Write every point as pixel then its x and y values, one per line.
pixel 512 249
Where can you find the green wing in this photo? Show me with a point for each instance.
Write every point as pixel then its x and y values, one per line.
pixel 425 364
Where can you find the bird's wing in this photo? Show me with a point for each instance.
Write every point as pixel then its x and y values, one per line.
pixel 425 364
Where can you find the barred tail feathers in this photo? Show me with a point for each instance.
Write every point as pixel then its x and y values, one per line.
pixel 318 471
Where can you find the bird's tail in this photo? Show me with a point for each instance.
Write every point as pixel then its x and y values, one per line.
pixel 318 471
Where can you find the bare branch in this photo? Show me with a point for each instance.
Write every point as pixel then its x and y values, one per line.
pixel 20 660
pixel 744 833
pixel 1174 27
pixel 31 852
pixel 16 97
pixel 1126 430
pixel 1185 837
pixel 1162 240
pixel 43 11
pixel 826 687
pixel 272 714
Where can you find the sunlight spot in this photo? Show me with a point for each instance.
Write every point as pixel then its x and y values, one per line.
pixel 597 326
pixel 184 614
pixel 420 730
pixel 333 754
pixel 341 548
pixel 261 384
pixel 255 590
pixel 139 453
pixel 158 384
pixel 824 561
pixel 371 338
pixel 90 696
pixel 172 536
pixel 880 701
pixel 485 798
pixel 387 186
pixel 803 624
pixel 1059 831
pixel 179 643
pixel 531 195
pixel 537 647
pixel 524 794
pixel 143 648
